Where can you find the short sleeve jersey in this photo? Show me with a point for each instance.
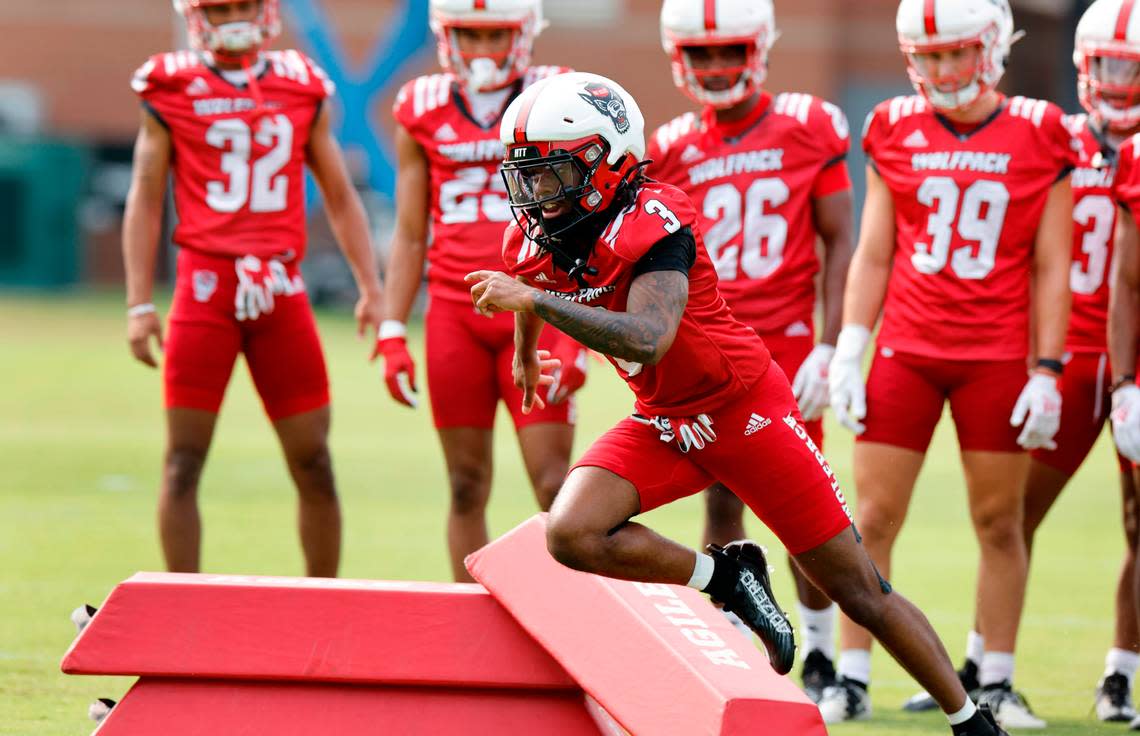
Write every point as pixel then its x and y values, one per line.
pixel 967 205
pixel 238 168
pixel 468 206
pixel 1094 218
pixel 753 183
pixel 713 359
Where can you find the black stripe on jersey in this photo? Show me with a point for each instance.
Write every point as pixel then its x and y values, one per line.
pixel 1064 172
pixel 154 114
pixel 837 160
pixel 674 252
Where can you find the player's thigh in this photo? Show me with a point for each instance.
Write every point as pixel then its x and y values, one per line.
pixel 840 567
pixel 905 397
pixel 461 366
pixel 564 413
pixel 789 352
pixel 286 360
pixel 982 397
pixel 774 466
pixel 202 342
pixel 658 471
pixel 995 487
pixel 1129 502
pixel 189 432
pixel 885 477
pixel 1085 402
pixel 593 501
pixel 304 436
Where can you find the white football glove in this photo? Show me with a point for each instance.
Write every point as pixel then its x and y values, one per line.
pixel 1038 413
pixel 810 385
pixel 1126 421
pixel 847 391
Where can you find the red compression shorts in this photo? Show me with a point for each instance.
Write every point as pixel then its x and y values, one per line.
pixel 762 452
pixel 1086 402
pixel 469 368
pixel 906 394
pixel 204 336
pixel 789 352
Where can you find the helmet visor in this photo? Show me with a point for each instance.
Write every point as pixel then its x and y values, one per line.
pixel 541 182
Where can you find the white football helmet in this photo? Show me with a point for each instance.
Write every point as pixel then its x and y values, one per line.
pixel 1107 56
pixel 230 40
pixel 486 73
pixel 928 26
pixel 688 23
pixel 573 138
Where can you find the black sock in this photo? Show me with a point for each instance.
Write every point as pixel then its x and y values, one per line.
pixel 725 571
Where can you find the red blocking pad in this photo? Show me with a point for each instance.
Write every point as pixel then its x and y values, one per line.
pixel 659 658
pixel 312 629
pixel 176 707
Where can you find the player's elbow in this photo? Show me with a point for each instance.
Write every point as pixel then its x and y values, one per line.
pixel 656 352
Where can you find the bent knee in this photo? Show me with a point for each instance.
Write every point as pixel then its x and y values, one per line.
pixel 571 544
pixel 863 604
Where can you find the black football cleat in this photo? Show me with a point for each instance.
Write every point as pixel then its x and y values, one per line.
pixel 752 601
pixel 818 674
pixel 982 724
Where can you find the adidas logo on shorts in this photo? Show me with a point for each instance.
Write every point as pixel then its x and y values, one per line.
pixel 755 424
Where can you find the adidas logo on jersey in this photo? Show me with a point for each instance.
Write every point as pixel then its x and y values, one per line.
pixel 691 154
pixel 916 140
pixel 755 424
pixel 446 133
pixel 198 87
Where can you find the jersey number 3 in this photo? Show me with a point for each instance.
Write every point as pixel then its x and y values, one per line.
pixel 984 204
pixel 257 182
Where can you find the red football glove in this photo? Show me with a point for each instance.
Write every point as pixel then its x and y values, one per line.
pixel 399 369
pixel 571 375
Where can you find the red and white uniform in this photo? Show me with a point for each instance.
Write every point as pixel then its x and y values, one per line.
pixel 239 194
pixel 967 204
pixel 716 366
pixel 1085 395
pixel 468 356
pixel 753 182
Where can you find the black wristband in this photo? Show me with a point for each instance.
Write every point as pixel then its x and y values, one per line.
pixel 1124 380
pixel 1051 364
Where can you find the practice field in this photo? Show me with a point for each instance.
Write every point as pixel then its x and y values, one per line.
pixel 80 441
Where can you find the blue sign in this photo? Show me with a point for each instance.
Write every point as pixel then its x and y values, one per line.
pixel 407 35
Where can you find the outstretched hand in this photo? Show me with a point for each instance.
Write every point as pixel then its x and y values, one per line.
pixel 532 372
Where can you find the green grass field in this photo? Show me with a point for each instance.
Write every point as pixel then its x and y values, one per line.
pixel 80 440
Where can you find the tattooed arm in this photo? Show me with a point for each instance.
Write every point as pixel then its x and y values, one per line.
pixel 643 333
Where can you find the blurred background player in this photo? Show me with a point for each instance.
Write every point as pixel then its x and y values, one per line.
pixel 1107 57
pixel 768 177
pixel 236 125
pixel 631 278
pixel 449 154
pixel 968 203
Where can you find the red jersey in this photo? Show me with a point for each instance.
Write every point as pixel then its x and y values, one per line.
pixel 713 359
pixel 753 182
pixel 469 206
pixel 1094 218
pixel 239 185
pixel 967 205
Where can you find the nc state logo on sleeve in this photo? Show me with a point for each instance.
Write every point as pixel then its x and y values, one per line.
pixel 608 102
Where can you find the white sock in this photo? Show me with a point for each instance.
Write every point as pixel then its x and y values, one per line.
pixel 997 667
pixel 1123 662
pixel 855 664
pixel 966 713
pixel 975 647
pixel 702 572
pixel 817 630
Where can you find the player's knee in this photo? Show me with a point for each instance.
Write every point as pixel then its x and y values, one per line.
pixel 878 522
pixel 999 529
pixel 547 486
pixel 861 600
pixel 314 466
pixel 570 543
pixel 183 467
pixel 470 490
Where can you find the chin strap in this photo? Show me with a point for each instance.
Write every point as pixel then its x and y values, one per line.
pixel 254 87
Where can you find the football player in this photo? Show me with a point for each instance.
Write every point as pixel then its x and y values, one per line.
pixel 968 203
pixel 1106 54
pixel 768 177
pixel 448 154
pixel 628 275
pixel 236 125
